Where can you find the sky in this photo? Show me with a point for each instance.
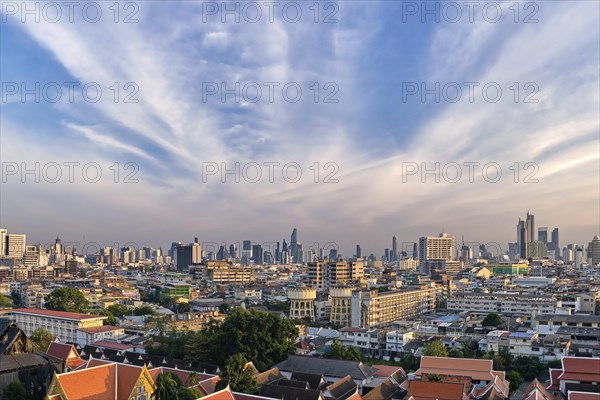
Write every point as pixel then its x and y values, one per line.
pixel 352 121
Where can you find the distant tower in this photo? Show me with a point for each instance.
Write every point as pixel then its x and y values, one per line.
pixel 302 302
pixel 358 251
pixel 394 248
pixel 415 251
pixel 554 241
pixel 530 224
pixel 294 245
pixel 522 238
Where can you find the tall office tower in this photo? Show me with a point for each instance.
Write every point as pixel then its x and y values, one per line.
pixel 246 251
pixel 435 248
pixel 333 254
pixel 172 252
pixel 257 254
pixel 543 234
pixel 196 252
pixel 522 238
pixel 277 253
pixel 300 251
pixel 284 247
pixel 268 256
pixel 294 245
pixel 555 244
pixel 394 248
pixel 221 254
pixel 358 251
pixel 321 253
pixel 514 251
pixel 415 251
pixel 148 253
pixel 387 254
pixel 593 250
pixel 3 233
pixel 233 251
pixel 466 253
pixel 530 224
pixel 188 255
pixel 567 254
pixel 15 245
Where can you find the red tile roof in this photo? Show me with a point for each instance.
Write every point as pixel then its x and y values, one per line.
pixel 57 314
pixel 385 370
pixel 581 369
pixel 583 396
pixel 62 351
pixel 425 390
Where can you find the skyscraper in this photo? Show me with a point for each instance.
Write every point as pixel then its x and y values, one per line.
pixel 593 250
pixel 435 248
pixel 3 233
pixel 543 234
pixel 522 238
pixel 555 243
pixel 294 245
pixel 530 224
pixel 394 248
pixel 15 245
pixel 358 251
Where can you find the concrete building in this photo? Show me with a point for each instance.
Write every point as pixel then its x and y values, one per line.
pixel 63 325
pixel 341 305
pixel 371 309
pixel 302 302
pixel 504 303
pixel 435 248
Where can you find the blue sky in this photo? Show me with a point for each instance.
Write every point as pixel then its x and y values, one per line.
pixel 367 58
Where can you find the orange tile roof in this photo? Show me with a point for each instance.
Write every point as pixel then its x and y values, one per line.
pixel 424 390
pixel 224 394
pixel 90 383
pixel 57 314
pixel 583 396
pixel 581 369
pixel 384 370
pixel 476 369
pixel 62 351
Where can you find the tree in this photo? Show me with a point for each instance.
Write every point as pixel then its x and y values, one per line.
pixel 5 301
pixel 41 339
pixel 263 338
pixel 340 352
pixel 67 299
pixel 118 310
pixel 456 353
pixel 435 349
pixel 15 390
pixel 237 376
pixel 515 380
pixel 409 362
pixel 492 319
pixel 166 387
pixel 144 310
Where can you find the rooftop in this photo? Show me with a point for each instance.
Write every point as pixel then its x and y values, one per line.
pixel 56 314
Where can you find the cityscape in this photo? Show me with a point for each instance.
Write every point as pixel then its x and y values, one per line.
pixel 300 200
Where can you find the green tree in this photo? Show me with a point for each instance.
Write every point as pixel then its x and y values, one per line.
pixel 528 367
pixel 340 352
pixel 239 378
pixel 67 299
pixel 15 390
pixel 118 310
pixel 144 310
pixel 166 387
pixel 515 380
pixel 41 339
pixel 5 301
pixel 409 362
pixel 257 335
pixel 456 353
pixel 185 393
pixel 435 348
pixel 492 319
pixel 434 378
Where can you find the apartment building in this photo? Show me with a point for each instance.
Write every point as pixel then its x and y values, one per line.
pixel 223 272
pixel 504 303
pixel 371 309
pixel 63 325
pixel 370 342
pixel 325 274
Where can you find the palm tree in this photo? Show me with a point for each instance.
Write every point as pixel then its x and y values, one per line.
pixel 166 386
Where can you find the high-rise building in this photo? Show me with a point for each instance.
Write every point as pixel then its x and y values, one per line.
pixel 294 245
pixel 537 249
pixel 555 244
pixel 3 233
pixel 15 245
pixel 188 255
pixel 435 248
pixel 358 251
pixel 593 250
pixel 257 254
pixel 246 251
pixel 543 234
pixel 415 251
pixel 522 238
pixel 530 223
pixel 394 248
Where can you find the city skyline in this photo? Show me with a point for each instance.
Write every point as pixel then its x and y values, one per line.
pixel 367 145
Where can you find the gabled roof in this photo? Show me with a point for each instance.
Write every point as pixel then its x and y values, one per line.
pixel 384 391
pixel 537 391
pixel 315 381
pixel 268 376
pixel 62 351
pixel 427 390
pixel 476 369
pixel 327 367
pixel 580 369
pixel 342 389
pixel 289 393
